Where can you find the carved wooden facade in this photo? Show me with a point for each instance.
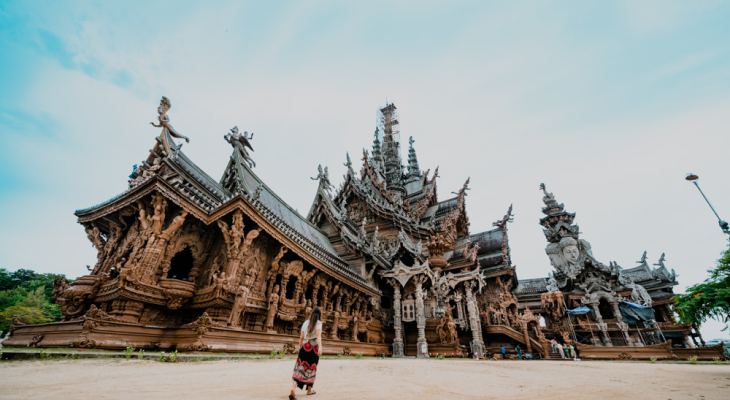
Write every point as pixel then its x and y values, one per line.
pixel 187 262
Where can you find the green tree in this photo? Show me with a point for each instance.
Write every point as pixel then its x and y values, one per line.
pixel 29 314
pixel 709 299
pixel 26 292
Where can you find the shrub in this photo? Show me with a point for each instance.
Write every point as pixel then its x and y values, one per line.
pixel 162 357
pixel 128 352
pixel 358 356
pixel 693 360
pixel 140 355
pixel 173 357
pixel 653 360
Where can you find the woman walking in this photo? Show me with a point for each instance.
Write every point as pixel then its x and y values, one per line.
pixel 310 348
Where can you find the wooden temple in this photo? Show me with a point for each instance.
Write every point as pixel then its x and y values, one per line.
pixel 191 263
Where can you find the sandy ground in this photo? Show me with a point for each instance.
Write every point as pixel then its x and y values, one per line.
pixel 362 379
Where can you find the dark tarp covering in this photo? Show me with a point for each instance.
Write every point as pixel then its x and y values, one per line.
pixel 673 334
pixel 633 313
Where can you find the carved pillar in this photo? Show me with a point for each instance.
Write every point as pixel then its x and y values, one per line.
pixel 601 325
pixel 272 279
pixel 422 344
pixel 477 345
pixel 284 281
pixel 527 337
pixel 397 324
pixel 315 292
pixel 335 323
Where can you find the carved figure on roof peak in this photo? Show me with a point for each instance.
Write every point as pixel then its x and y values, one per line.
pixel 241 142
pixel 164 121
pixel 509 217
pixel 323 177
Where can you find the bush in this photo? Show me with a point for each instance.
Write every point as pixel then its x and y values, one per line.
pixel 693 360
pixel 128 352
pixel 140 355
pixel 358 356
pixel 653 360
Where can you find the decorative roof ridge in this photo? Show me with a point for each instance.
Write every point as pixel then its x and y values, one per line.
pixel 181 155
pixel 276 196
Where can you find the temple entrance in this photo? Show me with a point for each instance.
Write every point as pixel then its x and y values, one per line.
pixel 181 265
pixel 410 338
pixel 604 307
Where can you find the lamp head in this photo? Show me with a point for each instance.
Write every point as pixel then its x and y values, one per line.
pixel 691 177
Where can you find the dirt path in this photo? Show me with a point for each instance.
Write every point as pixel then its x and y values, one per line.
pixel 363 379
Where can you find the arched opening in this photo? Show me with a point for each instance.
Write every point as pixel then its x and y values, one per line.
pixel 604 307
pixel 181 265
pixel 407 259
pixel 290 287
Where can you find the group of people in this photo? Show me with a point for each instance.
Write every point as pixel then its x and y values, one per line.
pixel 567 351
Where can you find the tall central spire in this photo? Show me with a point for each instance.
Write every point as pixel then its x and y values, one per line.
pixel 391 148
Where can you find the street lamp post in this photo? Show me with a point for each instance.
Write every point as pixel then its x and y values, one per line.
pixel 723 225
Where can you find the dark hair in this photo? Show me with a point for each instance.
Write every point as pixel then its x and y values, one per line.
pixel 313 319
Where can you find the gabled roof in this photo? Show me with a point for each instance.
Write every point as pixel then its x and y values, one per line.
pixel 295 226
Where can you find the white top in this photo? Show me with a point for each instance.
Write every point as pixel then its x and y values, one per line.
pixel 305 328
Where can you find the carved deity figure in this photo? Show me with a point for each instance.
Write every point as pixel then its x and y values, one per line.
pixel 241 142
pixel 552 284
pixel 156 220
pixel 164 120
pixel 273 308
pixel 174 225
pixel 94 235
pixel 569 248
pixel 639 295
pixel 324 178
pixel 239 305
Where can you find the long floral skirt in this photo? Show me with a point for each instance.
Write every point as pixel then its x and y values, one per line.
pixel 305 370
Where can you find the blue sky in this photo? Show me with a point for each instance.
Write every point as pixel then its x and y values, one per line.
pixel 608 103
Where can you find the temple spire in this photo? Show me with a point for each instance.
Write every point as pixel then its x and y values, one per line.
pixel 413 168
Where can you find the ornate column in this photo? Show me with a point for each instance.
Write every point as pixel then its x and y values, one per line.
pixel 527 337
pixel 397 324
pixel 315 292
pixel 477 345
pixel 601 325
pixel 422 344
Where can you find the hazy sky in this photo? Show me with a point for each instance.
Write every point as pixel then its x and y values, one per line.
pixel 609 103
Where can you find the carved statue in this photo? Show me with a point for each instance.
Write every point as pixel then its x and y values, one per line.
pixel 174 225
pixel 94 235
pixel 165 120
pixel 639 295
pixel 324 178
pixel 446 328
pixel 273 308
pixel 155 221
pixel 552 285
pixel 239 305
pixel 241 142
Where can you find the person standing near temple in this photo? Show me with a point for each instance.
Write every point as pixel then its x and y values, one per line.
pixel 519 352
pixel 560 350
pixel 504 353
pixel 310 349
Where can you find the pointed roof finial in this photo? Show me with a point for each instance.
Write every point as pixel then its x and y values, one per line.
pixel 413 169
